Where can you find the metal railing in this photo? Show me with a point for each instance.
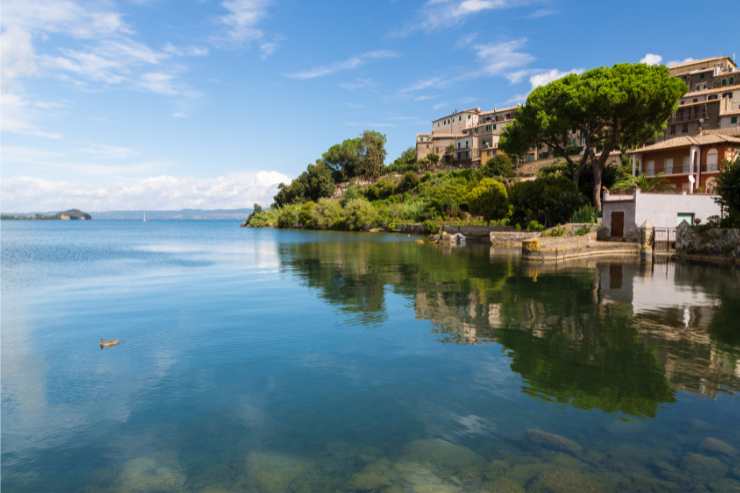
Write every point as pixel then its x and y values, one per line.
pixel 664 239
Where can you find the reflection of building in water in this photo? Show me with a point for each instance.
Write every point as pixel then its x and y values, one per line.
pixel 674 314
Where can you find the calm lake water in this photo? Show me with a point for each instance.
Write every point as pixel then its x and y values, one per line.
pixel 284 361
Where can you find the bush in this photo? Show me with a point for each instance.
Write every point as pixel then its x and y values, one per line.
pixel 534 225
pixel 407 183
pixel 263 219
pixel 381 189
pixel 585 214
pixel 728 189
pixel 489 199
pixel 549 201
pixel 446 195
pixel 307 216
pixel 359 215
pixel 499 165
pixel 353 192
pixel 555 232
pixel 288 216
pixel 582 230
pixel 329 213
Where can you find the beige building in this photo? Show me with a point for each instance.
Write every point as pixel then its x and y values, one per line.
pixel 713 99
pixel 446 133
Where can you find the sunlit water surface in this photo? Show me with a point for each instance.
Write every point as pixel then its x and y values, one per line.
pixel 284 361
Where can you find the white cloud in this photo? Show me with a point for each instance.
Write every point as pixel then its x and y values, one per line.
pixel 548 76
pixel 439 14
pixel 439 106
pixel 498 58
pixel 651 59
pixel 343 65
pixel 466 40
pixel 243 18
pixel 430 83
pixel 356 84
pixel 109 152
pixel 539 13
pixel 18 115
pixel 153 193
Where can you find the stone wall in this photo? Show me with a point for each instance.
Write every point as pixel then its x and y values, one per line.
pixel 702 241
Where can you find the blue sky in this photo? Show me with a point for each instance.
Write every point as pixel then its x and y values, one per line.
pixel 166 104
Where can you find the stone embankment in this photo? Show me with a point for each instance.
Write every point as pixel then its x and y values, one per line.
pixel 557 249
pixel 707 244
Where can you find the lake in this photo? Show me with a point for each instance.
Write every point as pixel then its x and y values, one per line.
pixel 288 361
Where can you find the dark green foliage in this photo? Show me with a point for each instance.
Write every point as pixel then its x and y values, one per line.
pixel 405 162
pixel 499 166
pixel 407 183
pixel 381 189
pixel 585 214
pixel 608 108
pixel 362 156
pixel 728 189
pixel 312 184
pixel 489 199
pixel 359 215
pixel 549 201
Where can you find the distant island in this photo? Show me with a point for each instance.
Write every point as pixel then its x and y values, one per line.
pixel 68 215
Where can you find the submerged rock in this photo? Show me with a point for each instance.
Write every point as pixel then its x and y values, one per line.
pixel 717 446
pixel 375 477
pixel 445 457
pixel 419 478
pixel 560 480
pixel 150 475
pixel 275 472
pixel 503 485
pixel 553 441
pixel 704 467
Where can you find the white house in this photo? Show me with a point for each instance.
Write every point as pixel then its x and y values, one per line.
pixel 623 214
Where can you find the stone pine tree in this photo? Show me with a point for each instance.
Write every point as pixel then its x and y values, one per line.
pixel 604 109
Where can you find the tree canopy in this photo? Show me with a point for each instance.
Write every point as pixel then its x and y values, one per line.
pixel 360 156
pixel 312 184
pixel 728 188
pixel 606 109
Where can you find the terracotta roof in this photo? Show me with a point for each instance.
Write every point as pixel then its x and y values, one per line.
pixel 687 141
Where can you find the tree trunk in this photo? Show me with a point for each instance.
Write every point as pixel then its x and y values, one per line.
pixel 598 170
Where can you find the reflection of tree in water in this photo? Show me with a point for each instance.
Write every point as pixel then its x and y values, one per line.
pixel 568 344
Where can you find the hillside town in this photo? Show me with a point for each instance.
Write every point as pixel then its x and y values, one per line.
pixel 702 135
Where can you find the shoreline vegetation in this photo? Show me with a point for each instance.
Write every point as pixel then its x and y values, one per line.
pixel 411 196
pixel 580 118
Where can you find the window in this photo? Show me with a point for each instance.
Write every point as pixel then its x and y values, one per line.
pixel 712 160
pixel 673 129
pixel 459 118
pixel 686 163
pixel 494 127
pixel 668 166
pixel 685 128
pixel 733 120
pixel 650 168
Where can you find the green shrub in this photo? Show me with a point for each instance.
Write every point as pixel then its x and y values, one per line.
pixel 489 199
pixel 534 225
pixel 381 189
pixel 585 214
pixel 266 218
pixel 329 213
pixel 549 201
pixel 307 216
pixel 352 192
pixel 499 165
pixel 407 183
pixel 359 215
pixel 728 189
pixel 288 216
pixel 555 232
pixel 582 230
pixel 446 195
